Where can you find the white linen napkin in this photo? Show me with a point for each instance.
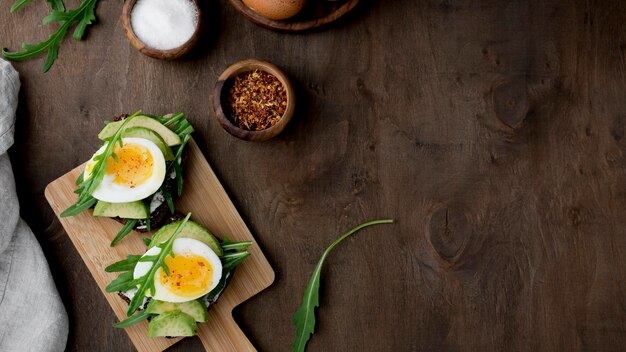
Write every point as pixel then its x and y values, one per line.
pixel 32 316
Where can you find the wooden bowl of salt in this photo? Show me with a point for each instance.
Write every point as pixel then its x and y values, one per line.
pixel 162 29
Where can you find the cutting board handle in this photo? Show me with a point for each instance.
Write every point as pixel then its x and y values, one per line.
pixel 231 339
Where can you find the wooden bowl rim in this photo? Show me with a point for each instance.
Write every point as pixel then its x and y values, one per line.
pixel 246 66
pixel 145 49
pixel 287 25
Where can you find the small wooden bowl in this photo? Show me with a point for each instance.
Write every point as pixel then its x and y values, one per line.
pixel 315 14
pixel 169 54
pixel 246 66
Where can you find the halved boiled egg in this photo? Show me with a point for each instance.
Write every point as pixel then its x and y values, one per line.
pixel 194 271
pixel 137 171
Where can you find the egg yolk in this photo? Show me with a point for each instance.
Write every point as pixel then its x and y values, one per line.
pixel 133 166
pixel 190 275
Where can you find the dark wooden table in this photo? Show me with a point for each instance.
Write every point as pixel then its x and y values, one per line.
pixel 493 131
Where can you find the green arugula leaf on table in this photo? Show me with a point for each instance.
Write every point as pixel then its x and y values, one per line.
pixel 83 15
pixel 87 187
pixel 304 318
pixel 54 4
pixel 57 5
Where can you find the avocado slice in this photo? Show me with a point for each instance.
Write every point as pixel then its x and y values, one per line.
pixel 145 133
pixel 175 323
pixel 170 138
pixel 194 309
pixel 131 210
pixel 191 230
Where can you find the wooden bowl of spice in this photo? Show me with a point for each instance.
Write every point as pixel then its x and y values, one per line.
pixel 253 100
pixel 162 29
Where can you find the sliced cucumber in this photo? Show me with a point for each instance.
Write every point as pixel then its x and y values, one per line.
pixel 131 210
pixel 145 133
pixel 172 324
pixel 194 309
pixel 191 230
pixel 168 135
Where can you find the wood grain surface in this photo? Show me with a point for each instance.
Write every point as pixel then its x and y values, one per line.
pixel 492 131
pixel 206 199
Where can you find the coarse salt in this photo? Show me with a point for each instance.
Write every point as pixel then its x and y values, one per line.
pixel 164 24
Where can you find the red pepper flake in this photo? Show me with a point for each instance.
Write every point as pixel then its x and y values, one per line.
pixel 257 100
pixel 200 263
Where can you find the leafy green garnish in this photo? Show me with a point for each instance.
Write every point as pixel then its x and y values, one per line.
pixel 88 186
pixel 128 227
pixel 227 245
pixel 125 281
pixel 146 282
pixel 54 4
pixel 304 318
pixel 231 258
pixel 123 265
pixel 83 16
pixel 139 317
pixel 181 126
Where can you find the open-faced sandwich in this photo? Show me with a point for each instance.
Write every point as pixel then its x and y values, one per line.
pixel 136 174
pixel 182 273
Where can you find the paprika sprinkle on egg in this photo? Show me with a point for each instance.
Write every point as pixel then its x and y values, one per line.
pixel 257 100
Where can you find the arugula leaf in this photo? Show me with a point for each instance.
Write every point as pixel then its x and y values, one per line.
pixel 123 265
pixel 128 227
pixel 19 4
pixel 79 208
pixel 124 282
pixel 88 186
pixel 54 4
pixel 304 318
pixel 176 164
pixel 57 5
pixel 229 260
pixel 80 178
pixel 169 200
pixel 227 245
pixel 181 126
pixel 179 177
pixel 148 223
pixel 137 318
pixel 32 50
pixel 84 15
pixel 88 16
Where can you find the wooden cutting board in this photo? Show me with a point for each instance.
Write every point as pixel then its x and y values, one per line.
pixel 209 204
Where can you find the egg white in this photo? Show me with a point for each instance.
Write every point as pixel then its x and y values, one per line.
pixel 111 192
pixel 182 246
